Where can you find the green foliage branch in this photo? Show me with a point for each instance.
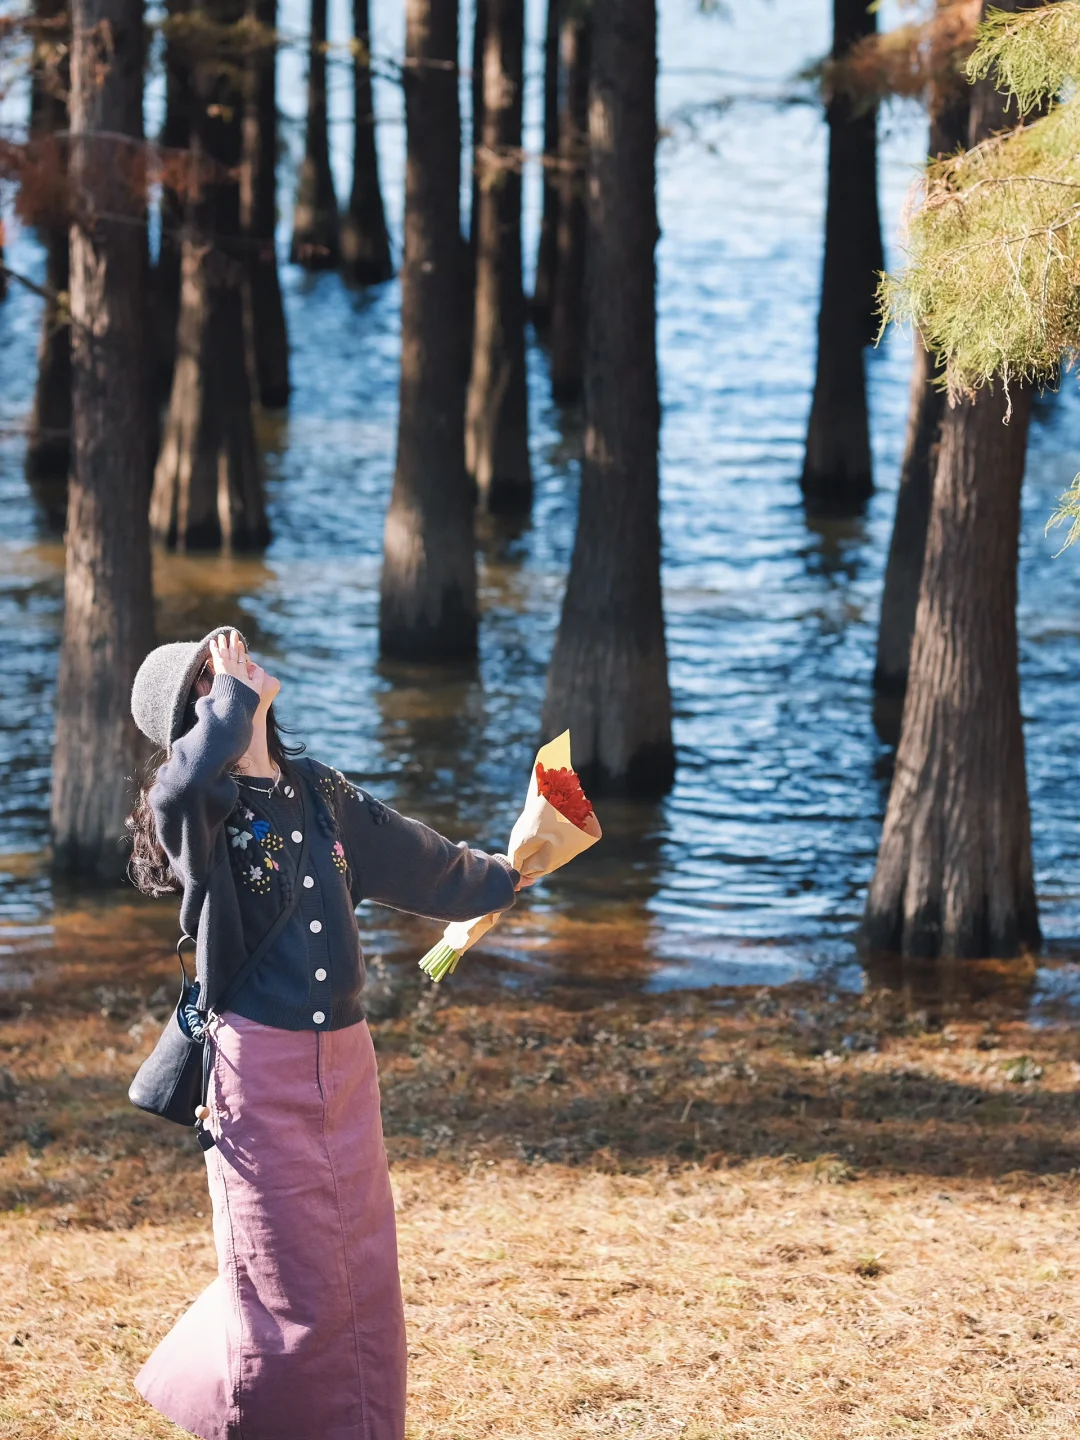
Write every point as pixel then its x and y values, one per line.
pixel 992 270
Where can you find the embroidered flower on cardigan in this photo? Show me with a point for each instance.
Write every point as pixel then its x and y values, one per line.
pixel 253 851
pixel 337 854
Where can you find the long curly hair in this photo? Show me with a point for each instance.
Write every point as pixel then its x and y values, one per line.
pixel 148 866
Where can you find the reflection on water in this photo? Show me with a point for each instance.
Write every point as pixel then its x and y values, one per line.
pixel 754 869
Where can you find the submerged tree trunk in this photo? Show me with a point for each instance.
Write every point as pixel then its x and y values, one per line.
pixel 497 412
pixel 954 870
pixel 608 678
pixel 207 485
pixel 428 590
pixel 365 241
pixel 269 337
pixel 108 605
pixel 903 570
pixel 837 473
pixel 568 301
pixel 954 873
pixel 949 120
pixel 315 239
pixel 48 450
pixel 547 251
pixel 174 139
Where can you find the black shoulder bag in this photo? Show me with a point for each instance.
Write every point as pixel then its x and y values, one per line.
pixel 172 1081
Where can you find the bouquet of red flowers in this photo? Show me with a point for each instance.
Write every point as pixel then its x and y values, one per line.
pixel 557 823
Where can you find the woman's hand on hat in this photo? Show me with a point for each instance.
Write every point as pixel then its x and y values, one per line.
pixel 228 656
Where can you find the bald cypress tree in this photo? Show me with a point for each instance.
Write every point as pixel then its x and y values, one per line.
pixel 837 472
pixel 208 491
pixel 547 250
pixel 174 139
pixel 365 240
pixel 954 873
pixel 497 407
pixel 316 235
pixel 48 448
pixel 108 606
pixel 567 336
pixel 427 598
pixel 269 336
pixel 607 678
pixel 948 102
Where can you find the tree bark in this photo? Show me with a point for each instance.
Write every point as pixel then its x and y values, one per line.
pixel 428 589
pixel 567 336
pixel 608 679
pixel 269 336
pixel 207 485
pixel 476 123
pixel 954 869
pixel 48 450
pixel 174 139
pixel 954 873
pixel 903 571
pixel 837 474
pixel 547 250
pixel 365 241
pixel 949 121
pixel 108 616
pixel 315 239
pixel 497 411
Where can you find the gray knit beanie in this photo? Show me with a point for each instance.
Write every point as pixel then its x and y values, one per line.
pixel 160 694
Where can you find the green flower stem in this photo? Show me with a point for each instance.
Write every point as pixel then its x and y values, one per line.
pixel 440 960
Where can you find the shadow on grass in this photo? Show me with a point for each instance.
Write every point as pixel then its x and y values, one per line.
pixel 851 1086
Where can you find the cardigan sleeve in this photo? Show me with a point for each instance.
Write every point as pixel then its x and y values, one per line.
pixel 194 792
pixel 411 867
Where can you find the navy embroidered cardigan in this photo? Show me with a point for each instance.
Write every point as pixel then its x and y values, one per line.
pixel 236 851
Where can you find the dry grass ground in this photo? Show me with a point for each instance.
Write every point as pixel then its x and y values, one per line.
pixel 707 1216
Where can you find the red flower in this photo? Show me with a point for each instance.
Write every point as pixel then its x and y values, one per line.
pixel 562 789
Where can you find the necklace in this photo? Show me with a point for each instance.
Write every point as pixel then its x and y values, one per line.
pixel 258 789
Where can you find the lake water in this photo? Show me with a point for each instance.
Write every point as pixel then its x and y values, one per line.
pixel 754 869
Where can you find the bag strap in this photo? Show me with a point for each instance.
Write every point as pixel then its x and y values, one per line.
pixel 248 968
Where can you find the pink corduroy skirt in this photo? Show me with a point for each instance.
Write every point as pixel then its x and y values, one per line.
pixel 302 1334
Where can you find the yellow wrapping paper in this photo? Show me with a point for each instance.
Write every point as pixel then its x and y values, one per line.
pixel 541 841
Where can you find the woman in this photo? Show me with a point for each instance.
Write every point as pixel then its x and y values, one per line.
pixel 301 1336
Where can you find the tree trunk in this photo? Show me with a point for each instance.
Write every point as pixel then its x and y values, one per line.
pixel 903 571
pixel 837 473
pixel 174 139
pixel 269 337
pixel 949 121
pixel 568 301
pixel 547 251
pixel 108 615
pixel 954 870
pixel 954 874
pixel 476 123
pixel 315 239
pixel 48 450
pixel 497 412
pixel 207 485
pixel 428 590
pixel 365 241
pixel 608 675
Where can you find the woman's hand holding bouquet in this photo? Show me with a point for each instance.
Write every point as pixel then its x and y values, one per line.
pixel 557 823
